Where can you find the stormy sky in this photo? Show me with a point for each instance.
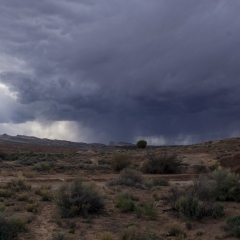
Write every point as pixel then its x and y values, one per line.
pixel 167 71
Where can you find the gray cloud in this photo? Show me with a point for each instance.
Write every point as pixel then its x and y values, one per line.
pixel 125 68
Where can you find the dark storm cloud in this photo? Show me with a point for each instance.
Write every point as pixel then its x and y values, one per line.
pixel 126 68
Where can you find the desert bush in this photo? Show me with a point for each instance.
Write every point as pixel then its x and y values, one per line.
pixel 218 211
pixel 188 207
pixel 133 233
pixel 227 185
pixel 44 192
pixel 196 201
pixel 106 236
pixel 160 182
pixel 125 202
pixel 130 233
pixel 42 167
pixel 138 210
pixel 120 161
pixel 58 236
pixel 128 177
pixel 162 164
pixel 23 197
pixel 32 207
pixel 174 229
pixel 142 144
pixel 156 196
pixel 78 199
pixel 156 182
pixel 2 155
pixel 17 185
pixel 10 227
pixel 188 225
pixel 233 225
pixel 150 210
pixel 5 193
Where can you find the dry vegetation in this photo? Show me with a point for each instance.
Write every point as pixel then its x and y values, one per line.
pixel 120 193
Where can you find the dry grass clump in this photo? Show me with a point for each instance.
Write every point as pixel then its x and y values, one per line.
pixel 134 233
pixel 175 229
pixel 163 164
pixel 9 189
pixel 23 197
pixel 45 193
pixel 106 236
pixel 156 182
pixel 32 207
pixel 120 161
pixel 79 199
pixel 128 177
pixel 17 185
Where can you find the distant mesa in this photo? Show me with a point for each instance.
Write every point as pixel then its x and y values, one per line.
pixel 21 139
pixel 113 144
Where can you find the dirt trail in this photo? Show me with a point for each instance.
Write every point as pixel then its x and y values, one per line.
pixel 41 227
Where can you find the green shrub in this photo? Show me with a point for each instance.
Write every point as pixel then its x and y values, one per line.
pixel 72 231
pixel 196 201
pixel 42 167
pixel 188 207
pixel 227 185
pixel 233 224
pixel 150 210
pixel 142 144
pixel 138 210
pixel 10 227
pixel 218 211
pixel 128 177
pixel 161 165
pixel 120 161
pixel 125 202
pixel 188 225
pixel 78 199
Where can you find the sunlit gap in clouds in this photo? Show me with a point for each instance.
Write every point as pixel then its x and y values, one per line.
pixel 61 130
pixel 5 90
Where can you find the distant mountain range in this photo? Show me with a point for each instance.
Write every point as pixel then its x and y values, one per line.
pixel 20 139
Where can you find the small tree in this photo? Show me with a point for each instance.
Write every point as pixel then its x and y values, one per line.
pixel 142 144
